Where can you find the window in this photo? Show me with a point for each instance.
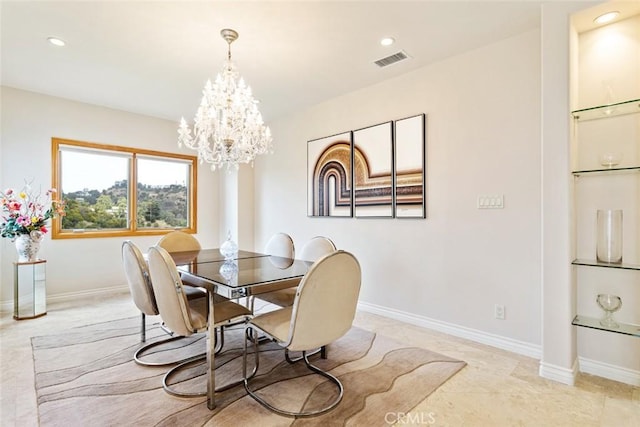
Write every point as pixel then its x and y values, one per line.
pixel 95 182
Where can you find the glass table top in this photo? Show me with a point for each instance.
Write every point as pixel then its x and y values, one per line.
pixel 207 255
pixel 247 271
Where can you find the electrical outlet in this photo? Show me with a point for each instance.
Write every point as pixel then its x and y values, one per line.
pixel 498 311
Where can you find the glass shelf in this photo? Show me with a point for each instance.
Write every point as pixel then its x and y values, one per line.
pixel 604 111
pixel 593 323
pixel 594 263
pixel 607 170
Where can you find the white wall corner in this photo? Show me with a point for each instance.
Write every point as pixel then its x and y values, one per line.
pixel 559 373
pixel 612 372
pixel 558 292
pixel 504 343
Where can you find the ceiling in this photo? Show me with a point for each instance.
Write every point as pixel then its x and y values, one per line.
pixel 153 58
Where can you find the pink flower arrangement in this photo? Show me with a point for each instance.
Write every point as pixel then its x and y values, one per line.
pixel 25 212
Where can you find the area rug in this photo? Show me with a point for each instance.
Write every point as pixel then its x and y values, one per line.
pixel 86 376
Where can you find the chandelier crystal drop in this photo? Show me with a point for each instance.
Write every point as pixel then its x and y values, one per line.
pixel 228 128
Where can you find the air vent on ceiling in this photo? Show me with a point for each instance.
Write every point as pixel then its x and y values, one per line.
pixel 392 59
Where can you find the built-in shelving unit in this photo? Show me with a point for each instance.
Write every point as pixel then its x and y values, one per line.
pixel 591 141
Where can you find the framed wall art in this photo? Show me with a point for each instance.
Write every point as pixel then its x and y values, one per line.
pixel 329 176
pixel 410 167
pixel 373 171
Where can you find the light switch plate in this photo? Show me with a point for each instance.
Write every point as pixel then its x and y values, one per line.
pixel 491 201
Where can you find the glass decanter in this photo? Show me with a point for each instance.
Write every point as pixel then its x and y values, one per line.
pixel 229 248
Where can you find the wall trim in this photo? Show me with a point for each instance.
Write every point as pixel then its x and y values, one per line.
pixel 549 371
pixel 559 373
pixel 612 372
pixel 7 306
pixel 504 343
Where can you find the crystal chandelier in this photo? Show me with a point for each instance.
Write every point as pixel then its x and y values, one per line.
pixel 228 128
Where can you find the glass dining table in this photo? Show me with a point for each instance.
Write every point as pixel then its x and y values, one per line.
pixel 234 278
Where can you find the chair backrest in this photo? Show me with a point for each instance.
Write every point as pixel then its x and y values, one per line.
pixel 170 297
pixel 280 244
pixel 137 273
pixel 179 241
pixel 316 248
pixel 325 302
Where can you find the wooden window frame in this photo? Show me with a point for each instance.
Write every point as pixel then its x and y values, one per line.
pixel 132 230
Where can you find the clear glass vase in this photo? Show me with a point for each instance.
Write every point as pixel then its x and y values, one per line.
pixel 609 232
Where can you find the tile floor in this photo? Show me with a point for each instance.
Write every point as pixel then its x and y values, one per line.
pixel 496 388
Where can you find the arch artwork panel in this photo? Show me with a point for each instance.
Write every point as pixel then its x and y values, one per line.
pixel 410 166
pixel 373 171
pixel 329 176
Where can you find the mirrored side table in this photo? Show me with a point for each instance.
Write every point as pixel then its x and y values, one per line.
pixel 29 289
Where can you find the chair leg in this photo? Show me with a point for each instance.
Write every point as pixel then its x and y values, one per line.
pixel 137 356
pixel 251 299
pixel 313 368
pixel 143 329
pixel 219 341
pixel 322 350
pixel 195 361
pixel 249 335
pixel 255 340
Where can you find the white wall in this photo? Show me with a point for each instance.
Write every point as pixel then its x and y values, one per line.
pixel 28 123
pixel 483 137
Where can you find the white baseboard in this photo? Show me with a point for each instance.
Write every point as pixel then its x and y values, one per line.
pixel 7 306
pixel 558 373
pixel 612 372
pixel 546 370
pixel 493 340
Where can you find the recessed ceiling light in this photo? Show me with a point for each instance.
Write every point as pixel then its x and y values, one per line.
pixel 387 41
pixel 607 17
pixel 56 41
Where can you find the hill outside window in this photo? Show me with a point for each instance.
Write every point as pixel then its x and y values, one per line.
pixel 95 181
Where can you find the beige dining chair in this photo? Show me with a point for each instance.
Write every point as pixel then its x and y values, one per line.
pixel 279 245
pixel 179 241
pixel 329 291
pixel 312 250
pixel 183 317
pixel 138 279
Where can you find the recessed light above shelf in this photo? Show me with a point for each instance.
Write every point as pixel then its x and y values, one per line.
pixel 606 17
